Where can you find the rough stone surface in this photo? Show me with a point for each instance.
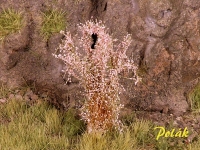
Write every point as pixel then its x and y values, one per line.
pixel 166 47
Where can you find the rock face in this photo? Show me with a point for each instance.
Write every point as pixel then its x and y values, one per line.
pixel 166 47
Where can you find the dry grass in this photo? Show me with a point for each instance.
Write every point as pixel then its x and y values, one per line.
pixel 43 127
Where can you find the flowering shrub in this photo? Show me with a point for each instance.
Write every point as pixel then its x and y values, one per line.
pixel 96 62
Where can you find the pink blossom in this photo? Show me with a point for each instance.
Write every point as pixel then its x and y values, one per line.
pixel 97 70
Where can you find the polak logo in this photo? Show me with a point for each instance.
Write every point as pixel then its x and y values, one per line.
pixel 182 133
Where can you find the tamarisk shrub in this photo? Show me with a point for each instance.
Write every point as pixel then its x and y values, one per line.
pixel 96 63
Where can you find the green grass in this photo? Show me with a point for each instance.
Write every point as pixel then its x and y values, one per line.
pixel 10 22
pixel 37 127
pixel 53 21
pixel 40 126
pixel 194 98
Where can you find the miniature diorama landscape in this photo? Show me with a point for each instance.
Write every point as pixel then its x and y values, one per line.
pixel 99 74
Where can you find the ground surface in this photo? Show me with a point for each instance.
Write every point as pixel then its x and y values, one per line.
pixel 165 47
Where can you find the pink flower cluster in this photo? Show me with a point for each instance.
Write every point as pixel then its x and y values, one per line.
pixel 97 70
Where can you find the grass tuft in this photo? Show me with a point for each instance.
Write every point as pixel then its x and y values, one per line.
pixel 10 22
pixel 194 98
pixel 133 137
pixel 53 21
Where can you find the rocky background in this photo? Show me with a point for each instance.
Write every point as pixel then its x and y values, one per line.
pixel 166 47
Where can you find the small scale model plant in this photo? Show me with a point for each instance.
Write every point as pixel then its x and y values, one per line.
pixel 194 97
pixel 97 62
pixel 10 22
pixel 52 22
